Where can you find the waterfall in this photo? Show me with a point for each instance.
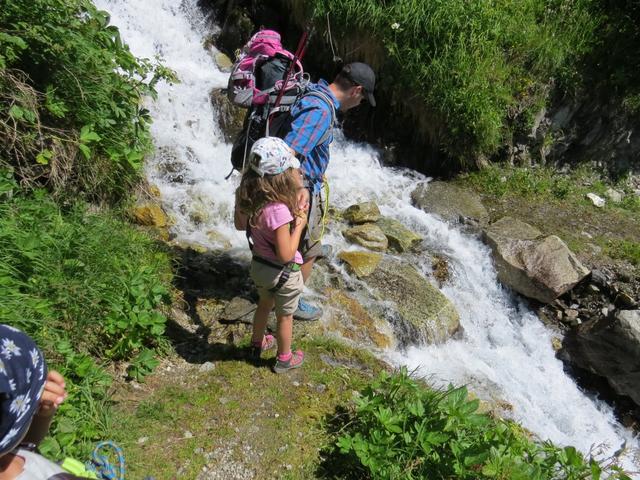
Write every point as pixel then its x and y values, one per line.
pixel 505 353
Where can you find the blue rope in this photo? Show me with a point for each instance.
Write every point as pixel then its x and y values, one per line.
pixel 101 465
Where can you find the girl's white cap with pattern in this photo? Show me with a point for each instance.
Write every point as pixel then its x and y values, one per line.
pixel 271 156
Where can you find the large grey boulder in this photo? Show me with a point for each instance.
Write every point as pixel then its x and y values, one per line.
pixel 451 202
pixel 422 313
pixel 610 348
pixel 534 265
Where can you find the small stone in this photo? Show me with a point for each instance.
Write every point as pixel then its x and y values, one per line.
pixel 198 450
pixel 276 415
pixel 142 440
pixel 574 306
pixel 596 200
pixel 605 311
pixel 571 314
pixel 187 434
pixel 556 344
pixel 223 400
pixel 295 384
pixel 288 466
pixel 593 288
pixel 587 234
pixel 614 195
pixel 321 388
pixel 559 314
pixel 625 301
pixel 207 367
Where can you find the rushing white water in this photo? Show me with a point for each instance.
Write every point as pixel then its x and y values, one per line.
pixel 505 353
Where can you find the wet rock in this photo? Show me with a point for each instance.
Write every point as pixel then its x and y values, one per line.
pixel 537 267
pixel 362 264
pixel 150 214
pixel 230 116
pixel 440 268
pixel 451 202
pixel 368 235
pixel 223 62
pixel 400 238
pixel 423 313
pixel 353 321
pixel 362 213
pixel 610 348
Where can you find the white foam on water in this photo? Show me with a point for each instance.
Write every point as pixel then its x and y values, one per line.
pixel 505 352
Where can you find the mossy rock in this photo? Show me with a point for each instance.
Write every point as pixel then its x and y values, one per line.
pixel 451 202
pixel 424 314
pixel 150 214
pixel 400 239
pixel 368 235
pixel 223 62
pixel 230 116
pixel 354 322
pixel 365 212
pixel 360 263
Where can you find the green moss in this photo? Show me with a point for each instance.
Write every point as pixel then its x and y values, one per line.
pixel 279 416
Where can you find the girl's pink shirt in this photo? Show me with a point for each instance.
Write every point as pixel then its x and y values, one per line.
pixel 272 217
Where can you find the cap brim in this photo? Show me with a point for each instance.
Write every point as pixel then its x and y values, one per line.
pixel 371 99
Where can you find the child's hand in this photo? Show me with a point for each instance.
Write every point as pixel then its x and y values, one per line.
pixel 54 394
pixel 301 218
pixel 303 199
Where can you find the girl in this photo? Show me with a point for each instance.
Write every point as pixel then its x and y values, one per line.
pixel 267 207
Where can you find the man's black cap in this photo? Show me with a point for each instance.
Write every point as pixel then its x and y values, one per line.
pixel 363 75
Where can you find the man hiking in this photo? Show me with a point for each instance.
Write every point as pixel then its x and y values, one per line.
pixel 311 117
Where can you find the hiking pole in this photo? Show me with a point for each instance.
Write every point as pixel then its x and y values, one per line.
pixel 302 47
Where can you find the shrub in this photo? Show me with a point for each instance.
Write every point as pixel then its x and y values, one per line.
pixel 71 98
pixel 399 429
pixel 483 68
pixel 87 287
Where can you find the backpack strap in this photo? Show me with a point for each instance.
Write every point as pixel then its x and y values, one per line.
pixel 328 101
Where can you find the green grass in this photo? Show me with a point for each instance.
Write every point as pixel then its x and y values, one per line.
pixel 549 183
pixel 87 287
pixel 481 68
pixel 239 402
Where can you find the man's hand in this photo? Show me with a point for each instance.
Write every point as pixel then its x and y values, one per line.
pixel 54 394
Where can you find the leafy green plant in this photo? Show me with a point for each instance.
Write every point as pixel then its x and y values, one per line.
pixel 399 429
pixel 87 287
pixel 142 365
pixel 70 96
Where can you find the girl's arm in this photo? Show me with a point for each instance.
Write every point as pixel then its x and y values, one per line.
pixel 239 218
pixel 287 240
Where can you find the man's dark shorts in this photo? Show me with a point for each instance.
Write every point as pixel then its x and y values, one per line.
pixel 310 246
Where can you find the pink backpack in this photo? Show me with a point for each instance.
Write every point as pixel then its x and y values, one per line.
pixel 243 88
